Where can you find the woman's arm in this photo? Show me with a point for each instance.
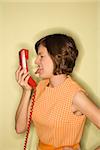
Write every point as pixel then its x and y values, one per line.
pixel 21 117
pixel 84 104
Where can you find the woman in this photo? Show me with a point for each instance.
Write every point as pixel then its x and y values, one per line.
pixel 61 104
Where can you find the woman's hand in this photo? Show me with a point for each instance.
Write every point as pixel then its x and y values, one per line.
pixel 22 78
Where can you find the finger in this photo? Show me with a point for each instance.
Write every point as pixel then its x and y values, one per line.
pixel 24 76
pixel 21 73
pixel 17 72
pixel 27 78
pixel 24 82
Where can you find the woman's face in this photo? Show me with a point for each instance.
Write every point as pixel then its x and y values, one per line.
pixel 44 62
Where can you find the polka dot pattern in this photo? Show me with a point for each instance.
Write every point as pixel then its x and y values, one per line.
pixel 54 121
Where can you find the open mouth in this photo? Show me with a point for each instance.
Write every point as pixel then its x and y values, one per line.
pixel 39 70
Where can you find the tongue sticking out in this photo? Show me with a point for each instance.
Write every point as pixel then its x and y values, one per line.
pixel 39 70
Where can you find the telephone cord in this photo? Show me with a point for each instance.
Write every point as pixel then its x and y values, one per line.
pixel 29 120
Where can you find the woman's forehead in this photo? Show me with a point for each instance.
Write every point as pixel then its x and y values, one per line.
pixel 42 50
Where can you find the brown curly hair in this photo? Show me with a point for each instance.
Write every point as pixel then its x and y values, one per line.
pixel 62 50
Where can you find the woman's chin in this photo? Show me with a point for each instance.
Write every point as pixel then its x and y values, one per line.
pixel 43 76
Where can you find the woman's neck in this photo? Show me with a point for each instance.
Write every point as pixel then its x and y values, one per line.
pixel 56 80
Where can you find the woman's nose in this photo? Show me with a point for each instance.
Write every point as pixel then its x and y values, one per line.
pixel 37 61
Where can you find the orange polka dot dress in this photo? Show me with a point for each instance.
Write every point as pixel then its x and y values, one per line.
pixel 52 116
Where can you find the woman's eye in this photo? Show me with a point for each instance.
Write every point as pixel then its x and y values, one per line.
pixel 42 56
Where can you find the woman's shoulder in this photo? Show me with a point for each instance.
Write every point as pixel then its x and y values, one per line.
pixel 75 84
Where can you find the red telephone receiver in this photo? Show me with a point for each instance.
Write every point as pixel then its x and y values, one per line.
pixel 23 57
